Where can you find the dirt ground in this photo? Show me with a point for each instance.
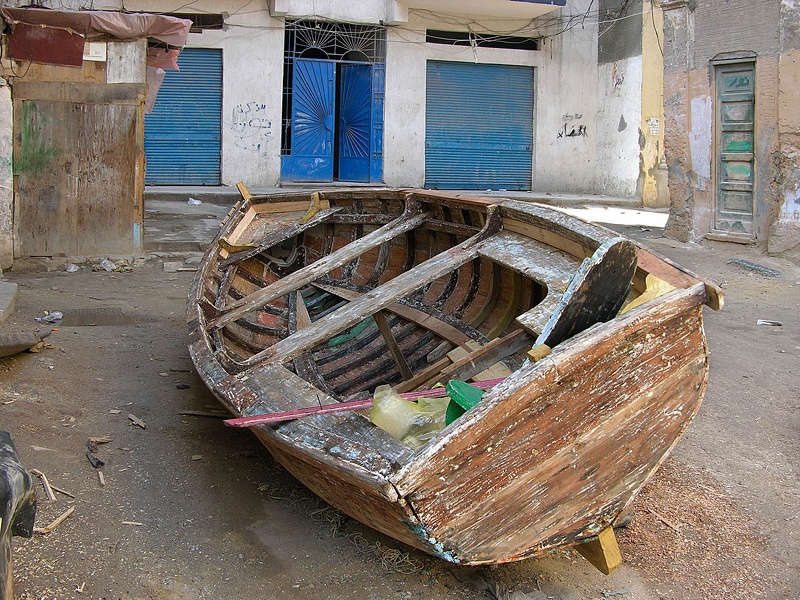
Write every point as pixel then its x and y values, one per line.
pixel 191 509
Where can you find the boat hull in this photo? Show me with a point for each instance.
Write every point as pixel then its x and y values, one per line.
pixel 550 457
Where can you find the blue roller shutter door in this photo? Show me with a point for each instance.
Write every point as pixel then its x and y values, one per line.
pixel 183 133
pixel 478 126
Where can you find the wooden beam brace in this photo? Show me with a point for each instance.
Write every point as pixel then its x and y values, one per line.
pixel 423 319
pixel 485 356
pixel 391 344
pixel 378 298
pixel 412 217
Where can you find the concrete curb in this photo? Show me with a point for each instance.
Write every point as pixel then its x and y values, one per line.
pixel 8 299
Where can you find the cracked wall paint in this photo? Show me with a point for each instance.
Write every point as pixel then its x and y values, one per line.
pixel 700 140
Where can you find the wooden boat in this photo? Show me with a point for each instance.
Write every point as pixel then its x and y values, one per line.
pixel 306 302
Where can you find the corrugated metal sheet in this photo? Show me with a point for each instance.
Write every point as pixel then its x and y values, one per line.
pixel 183 133
pixel 478 126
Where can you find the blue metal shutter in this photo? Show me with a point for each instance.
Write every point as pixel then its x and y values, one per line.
pixel 478 126
pixel 183 133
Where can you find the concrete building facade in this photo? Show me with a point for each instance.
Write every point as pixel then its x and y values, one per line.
pixel 543 95
pixel 733 122
pixel 586 123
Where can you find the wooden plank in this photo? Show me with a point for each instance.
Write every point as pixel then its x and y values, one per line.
pixel 271 208
pixel 421 318
pixel 665 269
pixel 304 364
pixel 547 237
pixel 314 208
pixel 535 320
pixel 531 258
pixel 80 93
pixel 602 551
pixel 303 318
pixel 410 219
pixel 554 228
pixel 391 345
pixel 78 164
pixel 425 375
pixel 273 238
pixel 375 300
pixel 230 241
pixel 472 364
pixel 461 355
pixel 243 191
pixel 595 294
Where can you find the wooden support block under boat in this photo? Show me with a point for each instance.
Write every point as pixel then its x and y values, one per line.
pixel 602 551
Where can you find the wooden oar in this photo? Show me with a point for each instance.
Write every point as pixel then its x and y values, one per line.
pixel 290 415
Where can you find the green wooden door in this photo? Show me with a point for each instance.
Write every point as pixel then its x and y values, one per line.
pixel 735 137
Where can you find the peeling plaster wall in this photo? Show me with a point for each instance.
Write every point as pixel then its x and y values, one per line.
pixel 678 38
pixel 565 69
pixel 785 232
pixel 618 118
pixel 565 151
pixel 696 32
pixel 784 235
pixel 6 178
pixel 252 96
pixel 652 184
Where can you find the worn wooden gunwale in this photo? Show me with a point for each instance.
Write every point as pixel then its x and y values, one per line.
pixel 384 286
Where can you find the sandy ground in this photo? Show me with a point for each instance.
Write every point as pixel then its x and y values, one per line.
pixel 191 509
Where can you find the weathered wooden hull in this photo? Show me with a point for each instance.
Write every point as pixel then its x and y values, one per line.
pixel 550 457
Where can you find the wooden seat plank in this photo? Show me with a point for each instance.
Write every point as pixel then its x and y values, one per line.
pixel 595 294
pixel 531 259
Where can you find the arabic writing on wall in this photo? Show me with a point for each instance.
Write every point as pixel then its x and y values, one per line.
pixel 251 126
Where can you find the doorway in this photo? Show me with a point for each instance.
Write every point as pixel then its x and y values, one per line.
pixel 735 129
pixel 333 103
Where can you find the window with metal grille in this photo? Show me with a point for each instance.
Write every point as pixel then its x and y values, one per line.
pixel 484 40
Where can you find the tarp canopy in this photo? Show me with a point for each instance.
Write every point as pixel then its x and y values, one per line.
pixel 172 31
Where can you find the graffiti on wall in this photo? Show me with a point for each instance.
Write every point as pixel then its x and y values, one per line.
pixel 252 129
pixel 572 129
pixel 617 76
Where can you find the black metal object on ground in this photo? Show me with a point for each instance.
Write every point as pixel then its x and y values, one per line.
pixel 17 508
